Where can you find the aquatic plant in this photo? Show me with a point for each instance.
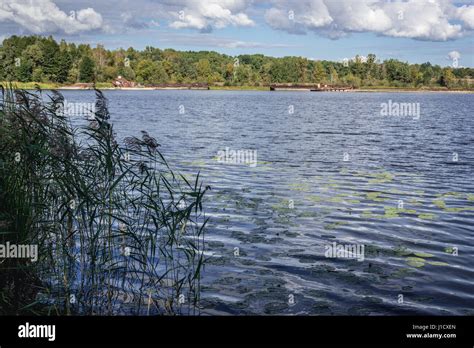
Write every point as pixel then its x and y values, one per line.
pixel 117 230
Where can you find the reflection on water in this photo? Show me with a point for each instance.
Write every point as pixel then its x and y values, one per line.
pixel 334 171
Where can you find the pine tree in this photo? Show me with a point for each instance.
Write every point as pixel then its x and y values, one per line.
pixel 86 70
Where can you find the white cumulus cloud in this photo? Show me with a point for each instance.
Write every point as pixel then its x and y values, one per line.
pixel 454 55
pixel 466 15
pixel 44 16
pixel 206 15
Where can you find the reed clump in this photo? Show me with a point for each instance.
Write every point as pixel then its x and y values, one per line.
pixel 117 230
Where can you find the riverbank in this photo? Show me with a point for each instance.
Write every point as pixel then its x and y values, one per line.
pixel 109 86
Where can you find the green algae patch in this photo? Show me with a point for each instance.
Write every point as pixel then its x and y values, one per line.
pixel 449 194
pixel 450 250
pixel 281 207
pixel 423 255
pixel 391 212
pixel 427 216
pixel 459 209
pixel 300 186
pixel 379 178
pixel 314 198
pixel 198 163
pixel 353 201
pixel 334 225
pixel 470 197
pixel 415 261
pixel 402 272
pixel 439 203
pixel 374 196
pixel 414 201
pixel 336 199
pixel 367 214
pixel 438 263
pixel 401 251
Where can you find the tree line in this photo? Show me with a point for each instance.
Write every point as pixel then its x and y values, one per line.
pixel 42 59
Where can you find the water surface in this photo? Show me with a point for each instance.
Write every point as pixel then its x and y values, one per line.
pixel 334 170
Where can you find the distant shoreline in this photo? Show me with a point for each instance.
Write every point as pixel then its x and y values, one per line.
pixel 47 86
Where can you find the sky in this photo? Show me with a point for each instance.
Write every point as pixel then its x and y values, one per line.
pixel 416 31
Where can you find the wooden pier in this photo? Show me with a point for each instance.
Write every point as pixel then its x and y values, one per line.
pixel 179 86
pixel 333 89
pixel 309 87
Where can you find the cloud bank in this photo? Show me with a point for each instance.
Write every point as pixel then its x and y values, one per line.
pixel 435 20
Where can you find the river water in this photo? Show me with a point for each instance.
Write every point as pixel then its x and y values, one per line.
pixel 317 171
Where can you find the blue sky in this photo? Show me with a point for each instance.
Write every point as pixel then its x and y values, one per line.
pixel 439 31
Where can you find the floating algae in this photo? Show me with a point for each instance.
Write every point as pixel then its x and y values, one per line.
pixel 374 196
pixel 335 225
pixel 439 203
pixel 424 255
pixel 450 250
pixel 419 260
pixel 438 263
pixel 300 186
pixel 402 272
pixel 283 206
pixel 391 212
pixel 367 214
pixel 449 194
pixel 427 216
pixel 414 201
pixel 310 214
pixel 401 251
pixel 196 163
pixel 470 197
pixel 336 199
pixel 415 261
pixel 353 201
pixel 396 210
pixel 315 198
pixel 459 209
pixel 381 178
pixel 340 198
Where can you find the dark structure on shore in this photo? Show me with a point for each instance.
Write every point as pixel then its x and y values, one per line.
pixel 309 87
pixel 179 86
pixel 120 82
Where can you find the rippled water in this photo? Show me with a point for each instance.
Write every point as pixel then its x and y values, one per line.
pixel 334 170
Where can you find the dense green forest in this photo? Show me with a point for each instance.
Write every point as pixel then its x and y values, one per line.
pixel 42 59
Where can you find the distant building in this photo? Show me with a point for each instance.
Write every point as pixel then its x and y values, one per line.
pixel 122 82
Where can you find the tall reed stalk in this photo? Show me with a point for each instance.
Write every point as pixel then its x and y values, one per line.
pixel 118 231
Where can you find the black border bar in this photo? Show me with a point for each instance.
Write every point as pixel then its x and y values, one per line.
pixel 243 330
